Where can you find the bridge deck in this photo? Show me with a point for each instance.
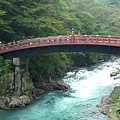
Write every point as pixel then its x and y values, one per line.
pixel 61 40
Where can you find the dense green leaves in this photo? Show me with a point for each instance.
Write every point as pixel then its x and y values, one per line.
pixel 1 14
pixel 48 65
pixel 83 59
pixel 25 19
pixel 5 68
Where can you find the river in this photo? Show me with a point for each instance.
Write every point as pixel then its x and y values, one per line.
pixel 88 85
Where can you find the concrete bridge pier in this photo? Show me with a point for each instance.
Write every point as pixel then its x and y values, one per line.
pixel 21 66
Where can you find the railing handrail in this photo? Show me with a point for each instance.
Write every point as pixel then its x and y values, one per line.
pixel 58 40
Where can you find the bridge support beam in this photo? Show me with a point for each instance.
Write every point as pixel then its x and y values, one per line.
pixel 21 66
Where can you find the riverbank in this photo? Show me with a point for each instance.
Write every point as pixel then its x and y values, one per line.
pixel 88 85
pixel 110 105
pixel 30 91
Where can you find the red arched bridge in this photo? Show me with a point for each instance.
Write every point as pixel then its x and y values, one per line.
pixel 69 43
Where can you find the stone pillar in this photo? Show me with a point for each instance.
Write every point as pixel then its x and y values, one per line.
pixel 21 66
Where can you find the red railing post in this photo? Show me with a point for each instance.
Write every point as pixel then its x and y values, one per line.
pixel 116 41
pixel 78 33
pixel 109 40
pixel 73 36
pixel 97 38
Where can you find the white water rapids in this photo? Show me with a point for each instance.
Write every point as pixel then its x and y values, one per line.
pixel 88 85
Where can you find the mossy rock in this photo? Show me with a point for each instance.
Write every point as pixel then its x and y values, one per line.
pixel 115 101
pixel 115 109
pixel 115 95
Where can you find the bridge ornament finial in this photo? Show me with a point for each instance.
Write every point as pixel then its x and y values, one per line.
pixel 72 36
pixel 78 32
pixel 72 30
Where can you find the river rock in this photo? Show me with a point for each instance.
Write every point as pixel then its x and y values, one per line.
pixel 60 85
pixel 50 86
pixel 113 74
pixel 104 110
pixel 107 111
pixel 15 102
pixel 38 91
pixel 25 99
pixel 104 101
pixel 2 104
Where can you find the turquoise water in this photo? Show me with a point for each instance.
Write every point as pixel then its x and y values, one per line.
pixel 88 85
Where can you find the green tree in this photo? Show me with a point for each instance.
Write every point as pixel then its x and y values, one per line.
pixel 48 65
pixel 1 14
pixel 5 68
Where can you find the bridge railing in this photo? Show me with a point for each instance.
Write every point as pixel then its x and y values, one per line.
pixel 111 40
pixel 58 40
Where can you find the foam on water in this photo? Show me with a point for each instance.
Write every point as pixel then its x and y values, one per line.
pixel 88 85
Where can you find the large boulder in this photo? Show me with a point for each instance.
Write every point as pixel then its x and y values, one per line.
pixel 25 99
pixel 2 104
pixel 15 102
pixel 60 85
pixel 38 91
pixel 50 86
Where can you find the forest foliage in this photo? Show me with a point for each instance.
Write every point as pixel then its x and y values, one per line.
pixel 21 19
pixel 5 68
